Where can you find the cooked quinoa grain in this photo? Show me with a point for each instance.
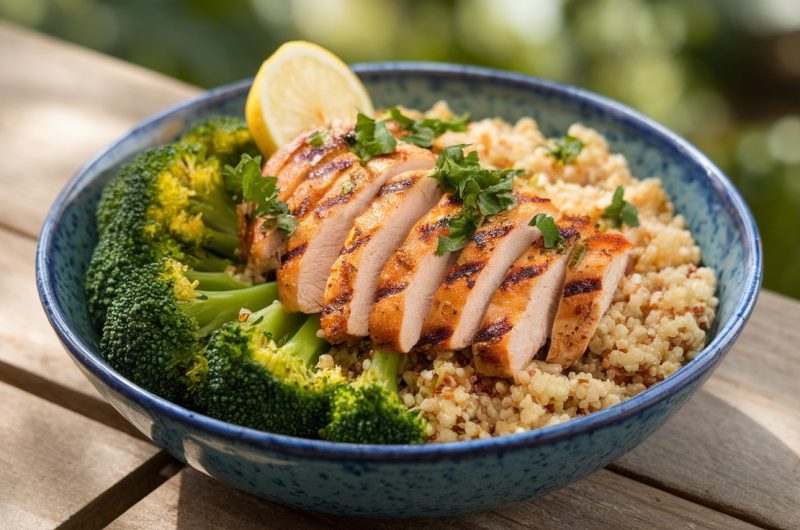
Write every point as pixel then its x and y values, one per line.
pixel 658 320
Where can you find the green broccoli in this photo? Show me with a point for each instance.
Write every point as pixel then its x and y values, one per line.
pixel 154 328
pixel 225 138
pixel 251 377
pixel 369 409
pixel 169 202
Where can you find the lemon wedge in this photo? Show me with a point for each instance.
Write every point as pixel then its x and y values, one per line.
pixel 298 87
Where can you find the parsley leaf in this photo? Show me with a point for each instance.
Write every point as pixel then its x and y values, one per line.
pixel 576 256
pixel 461 228
pixel 262 191
pixel 547 226
pixel 621 212
pixel 372 139
pixel 422 132
pixel 483 192
pixel 316 139
pixel 566 149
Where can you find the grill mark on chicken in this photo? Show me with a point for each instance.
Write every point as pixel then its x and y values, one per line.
pixel 454 199
pixel 522 274
pixel 525 197
pixel 389 290
pixel 296 252
pixel 339 199
pixel 587 285
pixel 337 302
pixel 355 244
pixel 463 271
pixel 435 336
pixel 302 208
pixel 428 230
pixel 481 238
pixel 394 187
pixel 335 166
pixel 494 331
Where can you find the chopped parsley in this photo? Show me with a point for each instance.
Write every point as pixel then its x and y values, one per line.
pixel 621 212
pixel 566 149
pixel 578 251
pixel 422 132
pixel 483 192
pixel 316 139
pixel 547 226
pixel 372 139
pixel 262 191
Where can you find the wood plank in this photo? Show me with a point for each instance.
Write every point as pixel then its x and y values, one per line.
pixel 59 104
pixel 604 500
pixel 736 445
pixel 54 462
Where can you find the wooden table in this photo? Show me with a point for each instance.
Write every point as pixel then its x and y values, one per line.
pixel 729 459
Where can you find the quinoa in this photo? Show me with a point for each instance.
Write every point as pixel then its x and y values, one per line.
pixel 658 320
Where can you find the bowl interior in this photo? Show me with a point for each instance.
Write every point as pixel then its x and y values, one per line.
pixel 713 210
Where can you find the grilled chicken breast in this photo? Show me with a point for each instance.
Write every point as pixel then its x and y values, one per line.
pixel 291 164
pixel 405 288
pixel 588 290
pixel 375 236
pixel 520 315
pixel 461 299
pixel 316 243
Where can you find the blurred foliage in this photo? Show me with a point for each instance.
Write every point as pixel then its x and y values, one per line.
pixel 724 73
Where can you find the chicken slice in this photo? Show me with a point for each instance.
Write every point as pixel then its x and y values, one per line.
pixel 406 286
pixel 375 236
pixel 461 299
pixel 318 238
pixel 595 268
pixel 520 315
pixel 306 160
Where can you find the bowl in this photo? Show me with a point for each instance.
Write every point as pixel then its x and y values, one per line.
pixel 437 479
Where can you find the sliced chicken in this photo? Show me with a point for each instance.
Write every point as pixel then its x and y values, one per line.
pixel 264 242
pixel 520 315
pixel 405 288
pixel 595 268
pixel 461 299
pixel 317 241
pixel 375 236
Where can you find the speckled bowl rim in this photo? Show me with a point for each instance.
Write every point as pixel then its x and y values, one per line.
pixel 726 334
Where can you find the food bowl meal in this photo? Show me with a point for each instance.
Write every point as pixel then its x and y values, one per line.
pixel 541 306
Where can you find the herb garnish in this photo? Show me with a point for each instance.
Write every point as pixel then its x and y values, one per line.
pixel 578 251
pixel 316 139
pixel 260 190
pixel 547 226
pixel 566 149
pixel 422 132
pixel 372 139
pixel 483 192
pixel 621 212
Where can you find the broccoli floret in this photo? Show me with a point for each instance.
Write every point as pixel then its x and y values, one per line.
pixel 155 324
pixel 169 202
pixel 225 138
pixel 252 378
pixel 369 410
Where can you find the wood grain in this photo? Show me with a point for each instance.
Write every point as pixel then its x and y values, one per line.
pixel 60 104
pixel 605 500
pixel 54 462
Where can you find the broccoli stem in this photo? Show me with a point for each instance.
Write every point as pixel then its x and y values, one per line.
pixel 277 322
pixel 218 211
pixel 216 281
pixel 211 309
pixel 222 243
pixel 207 262
pixel 305 345
pixel 383 367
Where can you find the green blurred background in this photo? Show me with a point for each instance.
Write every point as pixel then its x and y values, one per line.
pixel 724 73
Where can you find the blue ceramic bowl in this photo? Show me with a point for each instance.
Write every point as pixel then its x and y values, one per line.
pixel 427 480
